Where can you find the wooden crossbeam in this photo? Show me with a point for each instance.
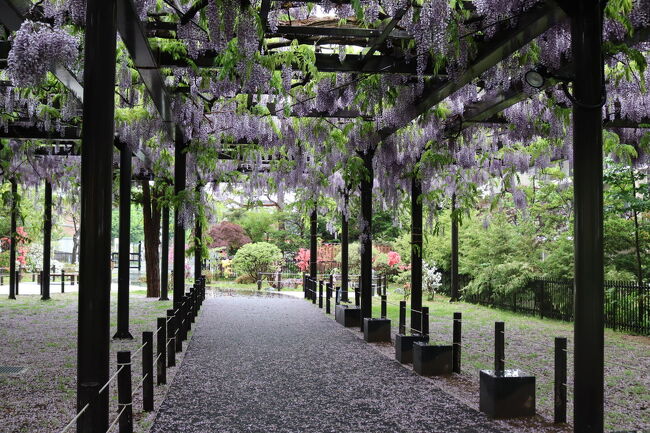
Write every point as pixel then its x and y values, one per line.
pixel 133 35
pixel 487 110
pixel 530 25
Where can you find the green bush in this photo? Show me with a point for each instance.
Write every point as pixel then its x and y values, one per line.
pixel 251 259
pixel 354 257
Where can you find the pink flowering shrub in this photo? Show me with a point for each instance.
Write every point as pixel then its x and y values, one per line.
pixel 302 259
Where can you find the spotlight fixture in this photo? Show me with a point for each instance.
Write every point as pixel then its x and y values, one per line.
pixel 536 78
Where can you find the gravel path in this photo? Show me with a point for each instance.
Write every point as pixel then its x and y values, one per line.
pixel 271 364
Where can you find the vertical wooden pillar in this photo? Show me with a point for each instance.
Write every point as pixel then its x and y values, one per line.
pixel 13 280
pixel 313 245
pixel 455 292
pixel 416 254
pixel 198 239
pixel 179 232
pixel 164 255
pixel 366 237
pixel 47 242
pixel 96 196
pixel 586 41
pixel 345 257
pixel 124 249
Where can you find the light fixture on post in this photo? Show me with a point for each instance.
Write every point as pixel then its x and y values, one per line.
pixel 536 77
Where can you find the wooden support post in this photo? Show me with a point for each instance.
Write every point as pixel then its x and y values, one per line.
pixel 147 372
pixel 457 342
pixel 499 346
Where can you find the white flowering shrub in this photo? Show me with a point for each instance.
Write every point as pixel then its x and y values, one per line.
pixel 431 278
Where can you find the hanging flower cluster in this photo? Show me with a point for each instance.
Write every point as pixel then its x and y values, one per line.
pixel 37 48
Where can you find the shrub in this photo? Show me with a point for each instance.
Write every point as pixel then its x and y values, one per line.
pixel 252 259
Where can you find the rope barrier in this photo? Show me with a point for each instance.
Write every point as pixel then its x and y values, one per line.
pixel 110 427
pixel 140 384
pixel 139 349
pixel 110 380
pixel 71 423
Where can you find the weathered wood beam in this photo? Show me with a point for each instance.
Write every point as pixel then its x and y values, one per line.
pixel 529 26
pixel 133 35
pixel 488 109
pixel 385 33
pixel 324 62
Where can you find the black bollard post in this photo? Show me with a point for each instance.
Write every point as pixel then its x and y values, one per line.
pixel 188 313
pixel 457 342
pixel 147 371
pixel 328 298
pixel 320 294
pixel 499 348
pixel 304 284
pixel 171 340
pixel 383 306
pixel 17 281
pixel 425 321
pixel 314 295
pixel 402 317
pixel 357 299
pixel 193 303
pixel 560 380
pixel 161 363
pixel 62 281
pixel 259 282
pixel 124 405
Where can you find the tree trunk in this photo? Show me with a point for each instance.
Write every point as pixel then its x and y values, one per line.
pixel 151 219
pixel 75 240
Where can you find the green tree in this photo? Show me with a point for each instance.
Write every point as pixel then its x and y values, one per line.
pixel 252 259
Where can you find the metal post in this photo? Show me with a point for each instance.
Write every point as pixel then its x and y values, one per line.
pixel 328 300
pixel 366 236
pixel 499 346
pixel 314 295
pixel 171 340
pixel 416 253
pixel 357 295
pixel 164 265
pixel 454 251
pixel 161 346
pixel 62 280
pixel 198 239
pixel 383 306
pixel 560 384
pixel 13 281
pixel 402 317
pixel 47 242
pixel 586 41
pixel 125 402
pixel 457 342
pixel 179 232
pixel 313 246
pixel 124 249
pixel 147 372
pixel 304 285
pixel 96 197
pixel 345 277
pixel 425 321
pixel 139 256
pixel 320 294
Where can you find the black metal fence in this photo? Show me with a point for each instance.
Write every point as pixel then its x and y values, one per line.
pixel 626 302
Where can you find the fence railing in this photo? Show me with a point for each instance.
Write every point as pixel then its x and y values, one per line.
pixel 626 302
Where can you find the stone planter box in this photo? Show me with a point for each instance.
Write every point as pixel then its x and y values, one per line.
pixel 348 315
pixel 432 360
pixel 404 347
pixel 507 394
pixel 376 330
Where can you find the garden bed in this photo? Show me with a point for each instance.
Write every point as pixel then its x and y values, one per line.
pixel 42 336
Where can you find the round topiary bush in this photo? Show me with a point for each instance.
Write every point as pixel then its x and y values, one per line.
pixel 251 259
